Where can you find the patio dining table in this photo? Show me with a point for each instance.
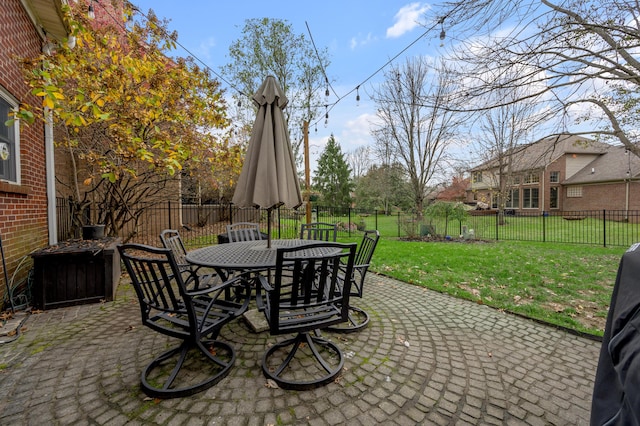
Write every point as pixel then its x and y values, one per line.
pixel 245 255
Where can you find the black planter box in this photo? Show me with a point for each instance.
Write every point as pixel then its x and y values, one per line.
pixel 75 272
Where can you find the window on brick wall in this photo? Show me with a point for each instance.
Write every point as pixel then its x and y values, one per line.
pixel 532 178
pixel 574 191
pixel 530 198
pixel 554 177
pixel 553 197
pixel 513 202
pixel 9 141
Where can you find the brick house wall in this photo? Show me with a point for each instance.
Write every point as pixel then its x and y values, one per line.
pixel 23 208
pixel 614 193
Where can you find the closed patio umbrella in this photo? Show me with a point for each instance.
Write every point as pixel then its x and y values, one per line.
pixel 268 178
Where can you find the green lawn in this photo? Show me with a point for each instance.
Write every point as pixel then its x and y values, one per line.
pixel 568 285
pixel 562 284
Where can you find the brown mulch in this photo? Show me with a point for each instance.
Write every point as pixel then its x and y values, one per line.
pixel 443 239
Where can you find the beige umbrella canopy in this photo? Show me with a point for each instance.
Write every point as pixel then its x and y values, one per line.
pixel 268 178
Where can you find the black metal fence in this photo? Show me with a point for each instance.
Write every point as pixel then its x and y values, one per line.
pixel 201 225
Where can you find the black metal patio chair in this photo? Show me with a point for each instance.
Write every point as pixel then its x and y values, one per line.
pixel 243 231
pixel 359 318
pixel 319 231
pixel 171 239
pixel 196 317
pixel 305 295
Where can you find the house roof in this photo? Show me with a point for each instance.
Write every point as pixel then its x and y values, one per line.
pixel 47 16
pixel 607 168
pixel 545 151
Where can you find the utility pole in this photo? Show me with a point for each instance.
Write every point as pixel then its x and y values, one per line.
pixel 307 173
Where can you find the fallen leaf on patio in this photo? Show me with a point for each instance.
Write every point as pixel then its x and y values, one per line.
pixel 212 350
pixel 490 355
pixel 516 298
pixel 271 384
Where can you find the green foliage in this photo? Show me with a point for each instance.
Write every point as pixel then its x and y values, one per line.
pixel 333 177
pixel 446 210
pixel 128 116
pixel 382 188
pixel 270 47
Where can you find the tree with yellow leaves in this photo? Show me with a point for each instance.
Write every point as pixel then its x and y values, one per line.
pixel 131 118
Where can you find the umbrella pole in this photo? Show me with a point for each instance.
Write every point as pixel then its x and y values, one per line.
pixel 268 228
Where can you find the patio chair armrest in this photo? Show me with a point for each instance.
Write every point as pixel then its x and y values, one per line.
pixel 240 279
pixel 264 283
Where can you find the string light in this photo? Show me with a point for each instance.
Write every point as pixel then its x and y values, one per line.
pixel 358 95
pixel 91 14
pixel 326 116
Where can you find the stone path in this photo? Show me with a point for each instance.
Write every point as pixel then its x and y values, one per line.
pixel 425 358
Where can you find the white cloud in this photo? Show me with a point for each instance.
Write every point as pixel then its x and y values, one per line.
pixel 205 47
pixel 407 18
pixel 361 41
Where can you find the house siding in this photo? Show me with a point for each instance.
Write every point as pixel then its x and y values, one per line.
pixel 23 208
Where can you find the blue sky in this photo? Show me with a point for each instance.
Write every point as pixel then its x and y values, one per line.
pixel 361 37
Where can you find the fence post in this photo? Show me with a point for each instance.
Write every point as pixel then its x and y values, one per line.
pixel 349 220
pixel 398 224
pixel 375 214
pixel 604 227
pixel 230 214
pixel 497 226
pixel 544 228
pixel 169 207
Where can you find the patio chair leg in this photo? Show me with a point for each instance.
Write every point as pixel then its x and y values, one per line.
pixel 357 320
pixel 326 356
pixel 156 383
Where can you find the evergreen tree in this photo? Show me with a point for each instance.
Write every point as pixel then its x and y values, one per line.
pixel 333 176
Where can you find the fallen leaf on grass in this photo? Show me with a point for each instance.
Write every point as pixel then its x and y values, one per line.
pixel 556 307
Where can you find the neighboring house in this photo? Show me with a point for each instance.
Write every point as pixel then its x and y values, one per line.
pixel 611 182
pixel 27 190
pixel 561 173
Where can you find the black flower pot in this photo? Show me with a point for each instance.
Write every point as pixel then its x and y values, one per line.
pixel 92 232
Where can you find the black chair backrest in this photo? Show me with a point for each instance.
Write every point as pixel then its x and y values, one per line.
pixel 307 288
pixel 171 239
pixel 363 259
pixel 243 231
pixel 319 231
pixel 156 278
pixel 367 247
